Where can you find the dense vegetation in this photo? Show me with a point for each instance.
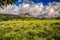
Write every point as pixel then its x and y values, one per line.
pixel 14 27
pixel 5 2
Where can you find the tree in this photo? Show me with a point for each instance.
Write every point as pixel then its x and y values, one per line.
pixel 5 2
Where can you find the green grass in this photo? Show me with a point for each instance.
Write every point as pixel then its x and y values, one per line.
pixel 20 28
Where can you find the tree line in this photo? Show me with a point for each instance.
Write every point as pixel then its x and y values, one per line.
pixel 5 2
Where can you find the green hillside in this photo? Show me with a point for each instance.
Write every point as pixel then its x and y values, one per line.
pixel 6 17
pixel 13 27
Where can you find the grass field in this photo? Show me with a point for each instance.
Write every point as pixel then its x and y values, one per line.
pixel 16 28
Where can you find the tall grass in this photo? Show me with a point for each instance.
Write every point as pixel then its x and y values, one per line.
pixel 29 29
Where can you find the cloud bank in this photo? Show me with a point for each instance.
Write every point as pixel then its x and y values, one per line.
pixel 36 10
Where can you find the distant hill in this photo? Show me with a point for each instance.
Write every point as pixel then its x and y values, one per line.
pixel 6 17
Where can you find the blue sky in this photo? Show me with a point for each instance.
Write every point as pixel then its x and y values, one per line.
pixel 45 2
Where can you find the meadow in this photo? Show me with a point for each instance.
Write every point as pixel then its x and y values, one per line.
pixel 14 27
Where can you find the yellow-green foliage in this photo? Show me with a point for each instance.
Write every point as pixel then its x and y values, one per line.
pixel 30 30
pixel 13 27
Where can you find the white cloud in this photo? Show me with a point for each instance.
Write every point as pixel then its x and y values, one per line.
pixel 34 9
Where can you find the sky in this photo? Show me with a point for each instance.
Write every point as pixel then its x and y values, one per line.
pixel 45 2
pixel 35 10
